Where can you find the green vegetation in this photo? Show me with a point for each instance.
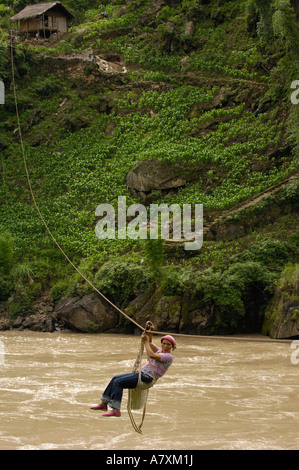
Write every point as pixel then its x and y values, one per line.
pixel 6 263
pixel 213 103
pixel 286 292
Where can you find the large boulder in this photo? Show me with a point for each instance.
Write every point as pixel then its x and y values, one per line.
pixel 90 313
pixel 153 175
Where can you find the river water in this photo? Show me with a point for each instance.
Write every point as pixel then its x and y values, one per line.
pixel 217 394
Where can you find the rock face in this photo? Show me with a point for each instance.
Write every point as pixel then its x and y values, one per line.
pixel 282 314
pixel 91 313
pixel 40 319
pixel 284 322
pixel 151 175
pixel 172 313
pixel 289 326
pixel 86 314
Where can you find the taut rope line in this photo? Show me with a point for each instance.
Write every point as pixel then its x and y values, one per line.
pixel 77 269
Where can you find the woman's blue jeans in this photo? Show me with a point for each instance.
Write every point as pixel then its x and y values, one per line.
pixel 114 391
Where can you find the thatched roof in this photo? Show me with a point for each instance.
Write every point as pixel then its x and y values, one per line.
pixel 32 11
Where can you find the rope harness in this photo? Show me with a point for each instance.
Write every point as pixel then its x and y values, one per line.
pixel 137 397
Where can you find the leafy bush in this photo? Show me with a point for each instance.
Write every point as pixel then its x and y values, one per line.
pixel 121 281
pixel 59 289
pixel 48 86
pixel 154 252
pixel 265 10
pixel 231 291
pixel 269 252
pixel 177 281
pixel 273 18
pixel 22 274
pixel 286 290
pixel 227 290
pixel 289 280
pixel 285 24
pixel 24 289
pixel 24 59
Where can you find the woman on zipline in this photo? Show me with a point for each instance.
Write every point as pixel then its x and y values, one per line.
pixel 160 357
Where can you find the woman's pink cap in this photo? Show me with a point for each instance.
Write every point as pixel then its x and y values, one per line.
pixel 171 339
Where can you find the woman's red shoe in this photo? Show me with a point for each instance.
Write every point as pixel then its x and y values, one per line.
pixel 113 413
pixel 101 406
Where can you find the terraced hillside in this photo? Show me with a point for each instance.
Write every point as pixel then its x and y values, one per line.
pixel 200 86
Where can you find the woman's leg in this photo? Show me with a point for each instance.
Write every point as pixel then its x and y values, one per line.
pixel 111 391
pixel 114 391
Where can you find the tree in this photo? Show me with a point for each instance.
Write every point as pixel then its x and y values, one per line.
pixel 284 24
pixel 273 19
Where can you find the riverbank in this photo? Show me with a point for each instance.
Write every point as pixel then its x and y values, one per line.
pixel 93 314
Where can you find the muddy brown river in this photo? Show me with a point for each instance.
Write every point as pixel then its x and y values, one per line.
pixel 217 395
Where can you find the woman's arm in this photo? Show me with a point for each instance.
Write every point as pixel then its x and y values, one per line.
pixel 152 327
pixel 150 348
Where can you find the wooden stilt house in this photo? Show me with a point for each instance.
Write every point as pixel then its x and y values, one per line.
pixel 43 19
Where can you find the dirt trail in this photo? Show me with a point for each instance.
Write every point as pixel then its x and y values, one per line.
pixel 252 201
pixel 211 226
